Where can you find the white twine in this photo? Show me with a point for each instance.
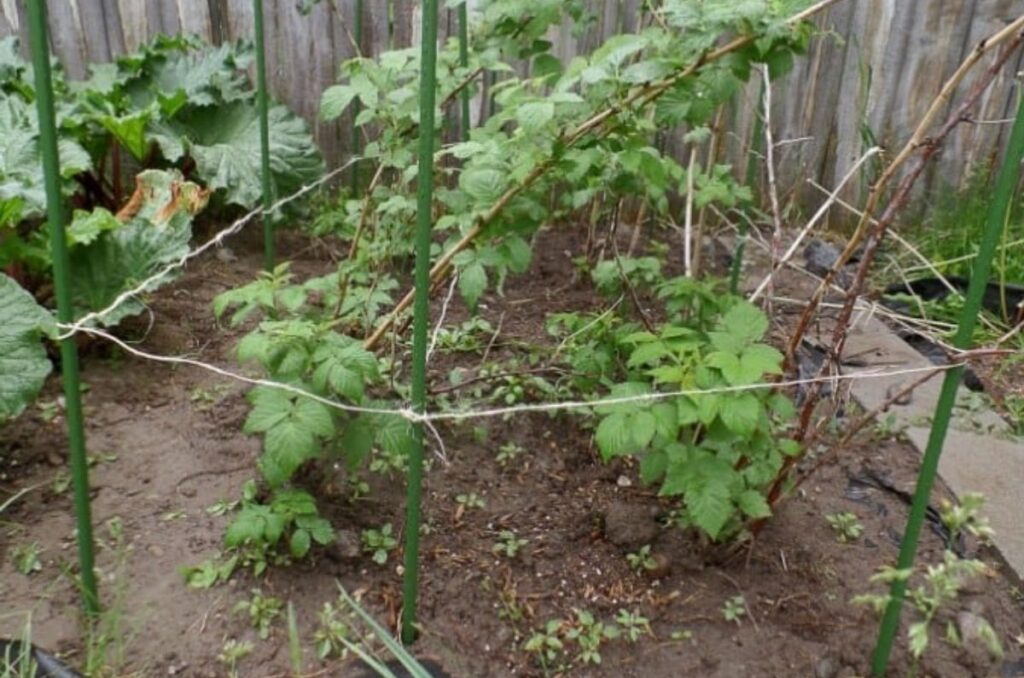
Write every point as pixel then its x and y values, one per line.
pixel 457 415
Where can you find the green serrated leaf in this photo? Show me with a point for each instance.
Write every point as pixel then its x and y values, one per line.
pixel 299 543
pixel 753 504
pixel 644 426
pixel 613 436
pixel 741 413
pixel 472 283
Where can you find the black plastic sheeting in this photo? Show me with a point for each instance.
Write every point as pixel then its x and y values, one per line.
pixel 12 652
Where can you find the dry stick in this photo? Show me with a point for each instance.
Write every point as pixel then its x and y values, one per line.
pixel 688 223
pixel 909 246
pixel 874 197
pixel 713 144
pixel 925 263
pixel 897 202
pixel 833 197
pixel 642 96
pixel 354 246
pixel 773 193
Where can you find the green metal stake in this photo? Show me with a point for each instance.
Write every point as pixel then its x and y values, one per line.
pixel 62 288
pixel 1009 174
pixel 261 98
pixel 464 62
pixel 425 192
pixel 357 142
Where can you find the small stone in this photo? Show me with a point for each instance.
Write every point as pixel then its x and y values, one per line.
pixel 629 526
pixel 624 481
pixel 972 627
pixel 826 668
pixel 346 546
pixel 155 550
pixel 226 255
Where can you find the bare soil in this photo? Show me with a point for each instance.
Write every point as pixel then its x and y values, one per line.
pixel 167 445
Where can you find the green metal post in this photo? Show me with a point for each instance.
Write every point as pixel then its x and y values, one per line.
pixel 425 192
pixel 357 142
pixel 62 288
pixel 464 62
pixel 261 97
pixel 1009 174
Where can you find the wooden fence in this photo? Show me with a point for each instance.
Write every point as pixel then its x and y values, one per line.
pixel 877 67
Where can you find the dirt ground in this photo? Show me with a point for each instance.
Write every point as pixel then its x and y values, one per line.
pixel 167 444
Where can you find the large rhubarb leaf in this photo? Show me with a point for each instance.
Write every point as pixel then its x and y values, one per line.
pixel 21 171
pixel 23 361
pixel 157 232
pixel 224 141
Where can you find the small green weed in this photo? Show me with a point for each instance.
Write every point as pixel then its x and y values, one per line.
pixel 508 544
pixel 379 543
pixel 262 611
pixel 846 526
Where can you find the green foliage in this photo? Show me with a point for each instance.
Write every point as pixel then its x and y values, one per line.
pixel 530 134
pixel 261 610
pixel 23 362
pixel 642 559
pixel 175 103
pixel 563 642
pixel 379 543
pixel 509 544
pixel 846 526
pixel 290 514
pixel 734 609
pixel 718 452
pixel 110 258
pixel 937 592
pixel 26 558
pixel 233 652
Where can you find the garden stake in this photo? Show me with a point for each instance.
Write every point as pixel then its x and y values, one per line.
pixel 464 62
pixel 1009 174
pixel 357 37
pixel 62 291
pixel 428 83
pixel 261 97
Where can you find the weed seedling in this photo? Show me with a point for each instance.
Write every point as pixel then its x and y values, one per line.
pixel 938 591
pixel 546 644
pixel 26 558
pixel 734 609
pixel 642 560
pixel 332 633
pixel 965 516
pixel 470 501
pixel 633 624
pixel 508 544
pixel 379 543
pixel 233 652
pixel 508 453
pixel 589 633
pixel 845 525
pixel 262 611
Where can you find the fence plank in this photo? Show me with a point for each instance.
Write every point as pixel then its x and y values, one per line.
pixel 905 49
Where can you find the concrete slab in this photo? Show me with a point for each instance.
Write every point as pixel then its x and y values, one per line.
pixel 995 468
pixel 979 455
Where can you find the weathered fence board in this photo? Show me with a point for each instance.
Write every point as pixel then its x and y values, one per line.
pixel 873 73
